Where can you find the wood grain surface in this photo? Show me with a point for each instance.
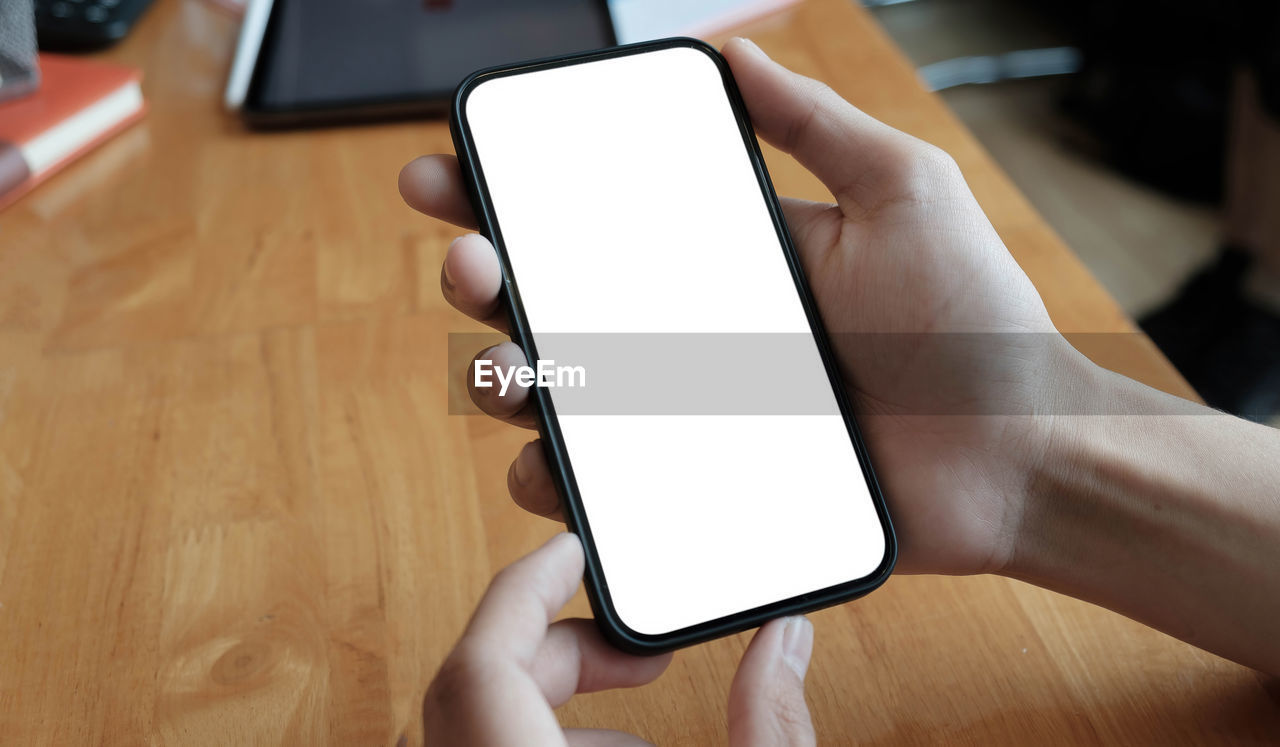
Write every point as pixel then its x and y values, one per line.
pixel 234 509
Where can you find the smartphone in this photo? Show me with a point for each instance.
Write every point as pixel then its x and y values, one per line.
pixel 629 204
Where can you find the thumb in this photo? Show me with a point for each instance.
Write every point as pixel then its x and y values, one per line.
pixel 849 150
pixel 766 700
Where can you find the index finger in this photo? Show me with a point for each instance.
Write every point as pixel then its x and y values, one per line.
pixel 433 185
pixel 524 597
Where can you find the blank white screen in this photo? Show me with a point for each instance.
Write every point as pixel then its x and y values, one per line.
pixel 627 202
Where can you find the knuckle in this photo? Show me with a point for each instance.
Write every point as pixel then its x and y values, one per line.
pixel 824 95
pixel 793 720
pixel 926 173
pixel 940 161
pixel 933 164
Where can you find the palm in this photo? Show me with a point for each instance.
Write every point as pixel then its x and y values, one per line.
pixel 905 298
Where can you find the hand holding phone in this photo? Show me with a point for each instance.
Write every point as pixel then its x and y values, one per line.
pixel 906 249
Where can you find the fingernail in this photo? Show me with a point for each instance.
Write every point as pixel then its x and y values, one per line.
pixel 755 47
pixel 797 644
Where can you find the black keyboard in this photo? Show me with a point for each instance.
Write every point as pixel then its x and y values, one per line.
pixel 69 25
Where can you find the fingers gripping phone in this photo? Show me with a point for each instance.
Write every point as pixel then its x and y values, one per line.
pixel 626 195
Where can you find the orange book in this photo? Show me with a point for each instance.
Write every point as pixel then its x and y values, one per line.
pixel 80 103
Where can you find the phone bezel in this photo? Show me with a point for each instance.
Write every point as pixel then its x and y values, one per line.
pixel 611 625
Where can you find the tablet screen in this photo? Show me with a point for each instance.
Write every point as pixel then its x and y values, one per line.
pixel 332 54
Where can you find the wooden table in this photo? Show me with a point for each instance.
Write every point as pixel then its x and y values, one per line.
pixel 233 508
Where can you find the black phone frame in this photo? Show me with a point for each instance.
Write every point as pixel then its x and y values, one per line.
pixel 618 633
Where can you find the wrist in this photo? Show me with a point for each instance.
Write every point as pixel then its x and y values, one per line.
pixel 1037 440
pixel 1072 446
pixel 1097 462
pixel 1159 509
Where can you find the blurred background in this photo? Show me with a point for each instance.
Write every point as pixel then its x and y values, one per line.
pixel 1147 134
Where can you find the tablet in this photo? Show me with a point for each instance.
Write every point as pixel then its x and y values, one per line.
pixel 330 61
